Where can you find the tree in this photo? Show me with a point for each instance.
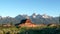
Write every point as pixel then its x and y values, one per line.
pixel 11 23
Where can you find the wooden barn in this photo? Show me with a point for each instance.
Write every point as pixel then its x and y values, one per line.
pixel 26 23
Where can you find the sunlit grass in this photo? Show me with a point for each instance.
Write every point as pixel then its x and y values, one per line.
pixel 30 30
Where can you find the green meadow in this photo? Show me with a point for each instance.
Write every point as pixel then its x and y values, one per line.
pixel 30 30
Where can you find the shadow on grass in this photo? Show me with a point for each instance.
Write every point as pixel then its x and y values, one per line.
pixel 42 31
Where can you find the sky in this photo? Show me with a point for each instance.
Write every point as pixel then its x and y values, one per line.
pixel 15 7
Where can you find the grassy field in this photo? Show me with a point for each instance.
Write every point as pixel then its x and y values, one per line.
pixel 30 30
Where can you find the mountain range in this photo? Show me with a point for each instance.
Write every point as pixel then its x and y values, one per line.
pixel 35 18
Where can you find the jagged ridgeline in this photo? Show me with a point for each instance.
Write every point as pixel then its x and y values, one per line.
pixel 38 19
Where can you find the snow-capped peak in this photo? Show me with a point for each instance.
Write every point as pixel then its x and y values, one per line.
pixel 34 15
pixel 45 16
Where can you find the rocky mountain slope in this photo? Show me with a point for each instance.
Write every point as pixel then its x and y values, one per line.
pixel 38 19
